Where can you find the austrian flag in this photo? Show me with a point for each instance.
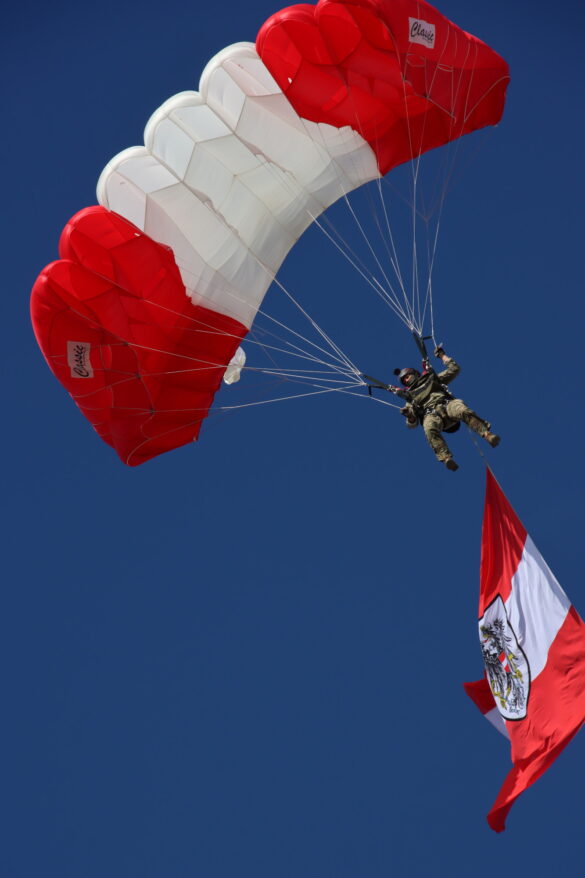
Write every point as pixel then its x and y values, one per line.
pixel 533 646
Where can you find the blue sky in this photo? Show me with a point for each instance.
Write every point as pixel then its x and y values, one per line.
pixel 245 657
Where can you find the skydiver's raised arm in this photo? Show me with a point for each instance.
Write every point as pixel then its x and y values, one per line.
pixel 453 369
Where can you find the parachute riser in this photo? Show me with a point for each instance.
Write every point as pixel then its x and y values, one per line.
pixel 374 382
pixel 420 343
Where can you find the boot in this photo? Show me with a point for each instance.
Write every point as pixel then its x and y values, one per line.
pixel 492 439
pixel 450 464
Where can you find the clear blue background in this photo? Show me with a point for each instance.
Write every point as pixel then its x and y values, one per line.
pixel 245 658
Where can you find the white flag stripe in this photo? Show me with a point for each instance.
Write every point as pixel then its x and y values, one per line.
pixel 536 608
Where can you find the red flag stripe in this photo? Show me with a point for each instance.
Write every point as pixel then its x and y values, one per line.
pixel 556 712
pixel 502 545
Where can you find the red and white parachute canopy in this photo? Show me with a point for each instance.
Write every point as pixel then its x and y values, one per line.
pixel 156 288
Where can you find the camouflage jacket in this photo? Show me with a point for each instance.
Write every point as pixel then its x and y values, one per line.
pixel 429 390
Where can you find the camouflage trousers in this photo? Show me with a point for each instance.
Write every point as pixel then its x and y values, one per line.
pixel 436 421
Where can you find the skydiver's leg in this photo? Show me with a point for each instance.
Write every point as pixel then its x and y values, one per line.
pixel 458 411
pixel 432 425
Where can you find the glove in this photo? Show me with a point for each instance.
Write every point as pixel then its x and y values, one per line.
pixel 439 352
pixel 408 412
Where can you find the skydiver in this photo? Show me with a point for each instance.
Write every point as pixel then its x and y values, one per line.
pixel 429 402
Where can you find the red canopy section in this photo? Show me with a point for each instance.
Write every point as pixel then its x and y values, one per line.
pixel 397 71
pixel 117 329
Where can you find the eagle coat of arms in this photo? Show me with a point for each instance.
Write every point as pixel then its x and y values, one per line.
pixel 506 665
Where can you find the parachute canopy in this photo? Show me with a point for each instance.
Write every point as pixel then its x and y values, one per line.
pixel 157 287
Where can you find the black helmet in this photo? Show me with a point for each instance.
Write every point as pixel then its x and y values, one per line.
pixel 402 373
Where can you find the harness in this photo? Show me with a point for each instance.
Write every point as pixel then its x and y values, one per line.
pixel 449 424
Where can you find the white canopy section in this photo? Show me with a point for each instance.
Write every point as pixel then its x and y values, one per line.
pixel 230 177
